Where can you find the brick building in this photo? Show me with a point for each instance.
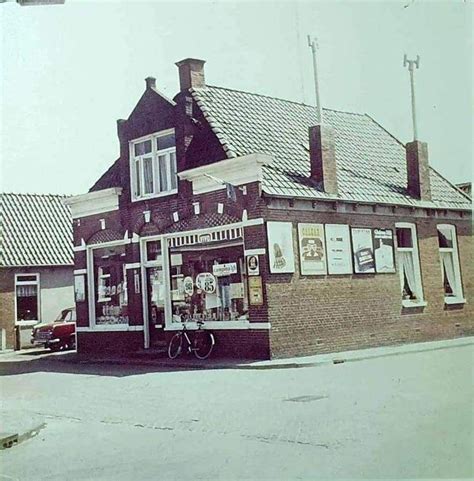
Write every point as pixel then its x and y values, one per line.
pixel 36 263
pixel 286 236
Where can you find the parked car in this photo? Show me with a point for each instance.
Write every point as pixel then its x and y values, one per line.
pixel 59 334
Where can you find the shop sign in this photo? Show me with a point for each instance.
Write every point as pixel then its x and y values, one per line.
pixel 220 270
pixel 255 291
pixel 188 285
pixel 383 252
pixel 253 267
pixel 312 249
pixel 206 282
pixel 280 247
pixel 338 247
pixel 362 250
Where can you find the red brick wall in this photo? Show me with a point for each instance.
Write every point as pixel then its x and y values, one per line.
pixel 314 314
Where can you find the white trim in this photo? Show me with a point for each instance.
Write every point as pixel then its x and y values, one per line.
pixel 134 265
pixel 235 171
pixel 109 327
pixel 92 203
pixel 220 325
pixel 255 252
pixel 78 272
pixel 109 244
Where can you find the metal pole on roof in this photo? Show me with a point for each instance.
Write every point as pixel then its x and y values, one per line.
pixel 314 45
pixel 411 64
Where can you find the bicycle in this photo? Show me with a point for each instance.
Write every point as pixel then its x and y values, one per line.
pixel 201 344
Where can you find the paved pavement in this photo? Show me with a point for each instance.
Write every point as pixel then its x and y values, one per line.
pixel 400 413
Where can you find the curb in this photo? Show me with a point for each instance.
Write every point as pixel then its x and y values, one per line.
pixel 292 363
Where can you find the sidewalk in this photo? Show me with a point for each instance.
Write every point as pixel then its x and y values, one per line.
pixel 189 362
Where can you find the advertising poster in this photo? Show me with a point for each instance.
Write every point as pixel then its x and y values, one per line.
pixel 80 288
pixel 383 251
pixel 253 267
pixel 312 249
pixel 363 250
pixel 255 291
pixel 280 247
pixel 338 246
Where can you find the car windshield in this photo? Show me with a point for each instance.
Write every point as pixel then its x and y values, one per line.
pixel 64 315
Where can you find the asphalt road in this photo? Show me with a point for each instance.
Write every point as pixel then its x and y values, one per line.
pixel 405 416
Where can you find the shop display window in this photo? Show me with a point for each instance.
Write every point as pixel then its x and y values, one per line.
pixel 208 284
pixel 110 285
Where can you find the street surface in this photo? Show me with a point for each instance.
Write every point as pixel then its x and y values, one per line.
pixel 402 416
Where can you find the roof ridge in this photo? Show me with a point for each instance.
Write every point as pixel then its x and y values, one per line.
pixel 35 194
pixel 197 89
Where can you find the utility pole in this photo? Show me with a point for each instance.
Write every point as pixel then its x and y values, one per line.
pixel 411 65
pixel 313 43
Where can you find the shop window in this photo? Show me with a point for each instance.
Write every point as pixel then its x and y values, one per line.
pixel 450 271
pixel 110 286
pixel 153 165
pixel 409 265
pixel 208 283
pixel 27 297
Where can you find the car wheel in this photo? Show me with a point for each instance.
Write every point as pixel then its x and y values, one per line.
pixel 55 347
pixel 72 342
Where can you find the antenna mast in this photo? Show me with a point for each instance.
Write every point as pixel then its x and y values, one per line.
pixel 411 64
pixel 314 45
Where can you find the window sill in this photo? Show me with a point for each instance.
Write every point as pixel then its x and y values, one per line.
pixel 454 300
pixel 155 196
pixel 222 325
pixel 109 327
pixel 26 323
pixel 410 303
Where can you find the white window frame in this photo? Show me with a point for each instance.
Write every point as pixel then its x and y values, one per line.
pixel 458 297
pixel 154 154
pixel 420 300
pixel 36 283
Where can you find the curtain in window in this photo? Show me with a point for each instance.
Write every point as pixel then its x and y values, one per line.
pixel 148 175
pixel 448 269
pixel 408 269
pixel 162 161
pixel 26 291
pixel 173 170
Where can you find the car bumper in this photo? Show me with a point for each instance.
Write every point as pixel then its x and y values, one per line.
pixel 45 342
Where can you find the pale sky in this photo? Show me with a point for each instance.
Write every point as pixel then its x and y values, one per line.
pixel 69 71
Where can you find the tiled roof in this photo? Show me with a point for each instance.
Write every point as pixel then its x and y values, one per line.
pixel 36 230
pixel 371 162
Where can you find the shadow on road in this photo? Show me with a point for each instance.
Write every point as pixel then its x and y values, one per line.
pixel 72 363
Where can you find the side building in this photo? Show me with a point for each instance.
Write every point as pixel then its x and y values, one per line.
pixel 287 236
pixel 36 264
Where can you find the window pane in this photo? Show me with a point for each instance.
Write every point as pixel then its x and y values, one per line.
pixel 445 237
pixel 26 303
pixel 165 142
pixel 153 250
pixel 27 278
pixel 142 148
pixel 138 189
pixel 148 175
pixel 404 238
pixel 173 177
pixel 162 161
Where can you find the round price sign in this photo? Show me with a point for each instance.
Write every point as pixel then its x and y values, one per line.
pixel 207 282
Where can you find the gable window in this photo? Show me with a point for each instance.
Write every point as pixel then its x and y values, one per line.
pixel 450 271
pixel 409 265
pixel 153 165
pixel 27 298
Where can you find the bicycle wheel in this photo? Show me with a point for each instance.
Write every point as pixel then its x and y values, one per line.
pixel 203 344
pixel 175 345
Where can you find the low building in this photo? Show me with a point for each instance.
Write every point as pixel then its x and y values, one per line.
pixel 36 263
pixel 287 236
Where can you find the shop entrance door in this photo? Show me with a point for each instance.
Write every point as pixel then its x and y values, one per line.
pixel 156 305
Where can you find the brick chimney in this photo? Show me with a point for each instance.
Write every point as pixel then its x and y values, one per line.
pixel 323 157
pixel 150 82
pixel 418 170
pixel 191 73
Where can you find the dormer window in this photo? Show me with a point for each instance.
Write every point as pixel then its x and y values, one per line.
pixel 153 165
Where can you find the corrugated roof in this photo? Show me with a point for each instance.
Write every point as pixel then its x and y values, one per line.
pixel 371 162
pixel 36 230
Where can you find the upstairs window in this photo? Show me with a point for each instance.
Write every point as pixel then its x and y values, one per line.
pixel 153 165
pixel 450 271
pixel 409 265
